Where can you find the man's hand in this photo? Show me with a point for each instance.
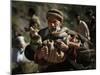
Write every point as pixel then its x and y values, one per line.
pixel 73 42
pixel 61 45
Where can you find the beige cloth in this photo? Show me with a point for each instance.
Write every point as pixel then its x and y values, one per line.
pixel 83 29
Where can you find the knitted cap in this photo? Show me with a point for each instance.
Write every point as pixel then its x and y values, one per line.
pixel 55 13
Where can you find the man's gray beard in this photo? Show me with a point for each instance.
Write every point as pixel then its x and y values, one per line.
pixel 55 29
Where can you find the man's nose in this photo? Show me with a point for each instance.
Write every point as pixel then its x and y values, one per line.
pixel 52 24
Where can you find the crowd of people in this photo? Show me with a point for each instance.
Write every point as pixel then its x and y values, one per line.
pixel 54 48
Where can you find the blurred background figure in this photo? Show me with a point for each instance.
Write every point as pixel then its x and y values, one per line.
pixel 82 27
pixel 17 50
pixel 91 21
pixel 21 64
pixel 34 21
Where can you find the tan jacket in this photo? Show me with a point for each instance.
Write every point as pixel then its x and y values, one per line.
pixel 83 29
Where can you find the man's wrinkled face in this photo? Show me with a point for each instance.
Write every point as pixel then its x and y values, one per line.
pixel 54 24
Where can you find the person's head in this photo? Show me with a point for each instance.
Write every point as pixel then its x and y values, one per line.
pixel 55 19
pixel 77 17
pixel 34 22
pixel 31 12
pixel 20 42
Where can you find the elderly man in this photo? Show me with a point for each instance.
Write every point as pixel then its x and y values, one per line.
pixel 58 49
pixel 56 43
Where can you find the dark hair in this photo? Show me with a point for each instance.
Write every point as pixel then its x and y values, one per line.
pixel 76 15
pixel 31 12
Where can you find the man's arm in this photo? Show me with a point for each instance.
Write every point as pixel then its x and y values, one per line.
pixel 73 42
